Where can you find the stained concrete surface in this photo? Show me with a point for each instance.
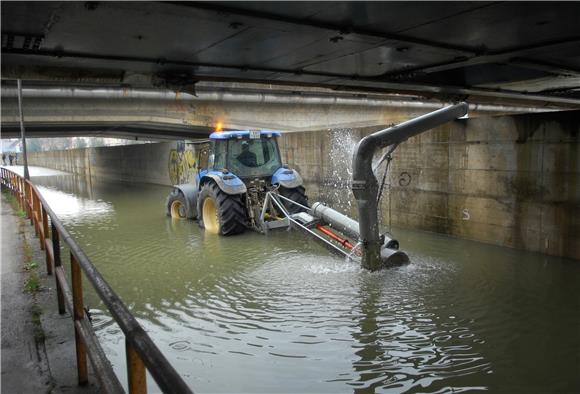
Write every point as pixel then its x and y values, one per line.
pixel 29 362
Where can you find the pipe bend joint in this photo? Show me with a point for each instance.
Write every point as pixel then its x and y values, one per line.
pixel 362 158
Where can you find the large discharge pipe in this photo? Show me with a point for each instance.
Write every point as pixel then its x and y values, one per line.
pixel 389 253
pixel 365 185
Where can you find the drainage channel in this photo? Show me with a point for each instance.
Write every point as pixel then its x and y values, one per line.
pixel 278 313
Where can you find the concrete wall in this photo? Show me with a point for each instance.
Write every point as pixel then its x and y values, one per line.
pixel 509 180
pixel 132 163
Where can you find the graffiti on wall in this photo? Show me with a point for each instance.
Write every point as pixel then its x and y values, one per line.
pixel 181 166
pixel 404 179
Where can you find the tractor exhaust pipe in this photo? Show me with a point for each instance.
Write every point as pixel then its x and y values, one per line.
pixel 365 185
pixel 389 253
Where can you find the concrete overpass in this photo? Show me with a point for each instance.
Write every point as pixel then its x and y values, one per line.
pixel 513 53
pixel 161 114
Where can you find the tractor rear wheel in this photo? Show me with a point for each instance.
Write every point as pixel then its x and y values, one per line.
pixel 221 213
pixel 176 207
pixel 296 194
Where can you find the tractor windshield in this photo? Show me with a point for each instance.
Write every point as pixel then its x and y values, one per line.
pixel 253 157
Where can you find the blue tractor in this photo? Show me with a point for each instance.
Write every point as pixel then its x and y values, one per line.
pixel 235 173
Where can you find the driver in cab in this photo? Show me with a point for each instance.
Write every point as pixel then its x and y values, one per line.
pixel 247 157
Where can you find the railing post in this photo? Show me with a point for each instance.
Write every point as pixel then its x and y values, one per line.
pixel 35 210
pixel 28 200
pixel 135 370
pixel 57 263
pixel 40 218
pixel 78 313
pixel 21 194
pixel 31 204
pixel 45 238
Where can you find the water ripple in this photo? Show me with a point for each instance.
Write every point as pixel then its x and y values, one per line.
pixel 277 312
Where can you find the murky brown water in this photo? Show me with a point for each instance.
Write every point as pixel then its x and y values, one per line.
pixel 277 313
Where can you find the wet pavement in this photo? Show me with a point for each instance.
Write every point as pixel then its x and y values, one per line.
pixel 37 357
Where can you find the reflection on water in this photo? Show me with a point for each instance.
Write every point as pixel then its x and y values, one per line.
pixel 34 171
pixel 277 313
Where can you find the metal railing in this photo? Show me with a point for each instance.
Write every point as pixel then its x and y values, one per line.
pixel 141 353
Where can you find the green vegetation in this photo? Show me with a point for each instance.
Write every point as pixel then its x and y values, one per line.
pixel 27 252
pixel 36 311
pixel 32 284
pixel 14 203
pixel 31 265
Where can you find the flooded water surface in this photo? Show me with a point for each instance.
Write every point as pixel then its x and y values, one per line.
pixel 277 313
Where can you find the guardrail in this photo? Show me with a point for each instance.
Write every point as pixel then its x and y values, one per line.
pixel 141 353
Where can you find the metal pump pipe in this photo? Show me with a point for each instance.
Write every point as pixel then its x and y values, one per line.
pixel 341 222
pixel 241 95
pixel 365 185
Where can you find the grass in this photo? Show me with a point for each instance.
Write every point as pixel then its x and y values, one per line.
pixel 36 311
pixel 31 266
pixel 32 284
pixel 27 252
pixel 14 203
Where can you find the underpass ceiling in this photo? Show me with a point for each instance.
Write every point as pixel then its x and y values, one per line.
pixel 476 51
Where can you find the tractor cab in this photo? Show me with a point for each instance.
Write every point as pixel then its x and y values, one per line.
pixel 246 154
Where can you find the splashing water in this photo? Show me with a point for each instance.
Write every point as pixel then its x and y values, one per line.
pixel 336 185
pixel 355 252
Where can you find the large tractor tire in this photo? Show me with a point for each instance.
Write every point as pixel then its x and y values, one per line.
pixel 296 194
pixel 221 213
pixel 175 204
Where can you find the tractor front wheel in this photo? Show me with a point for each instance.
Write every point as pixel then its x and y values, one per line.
pixel 175 204
pixel 220 213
